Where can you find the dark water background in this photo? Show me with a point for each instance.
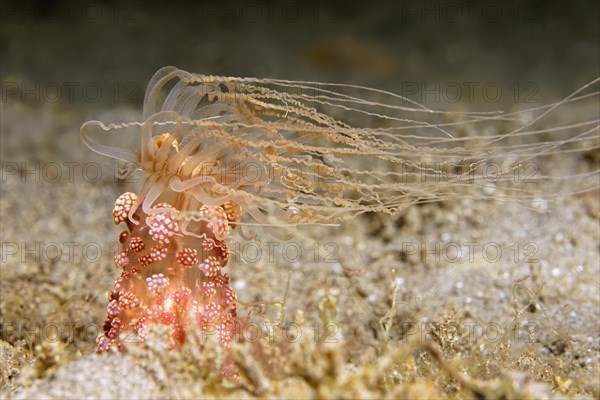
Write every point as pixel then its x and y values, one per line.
pixel 434 52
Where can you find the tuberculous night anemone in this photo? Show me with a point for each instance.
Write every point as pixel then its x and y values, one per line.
pixel 234 153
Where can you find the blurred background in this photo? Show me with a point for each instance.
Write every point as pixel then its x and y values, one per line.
pixel 378 43
pixel 86 59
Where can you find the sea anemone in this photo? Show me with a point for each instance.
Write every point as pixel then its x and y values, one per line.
pixel 224 153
